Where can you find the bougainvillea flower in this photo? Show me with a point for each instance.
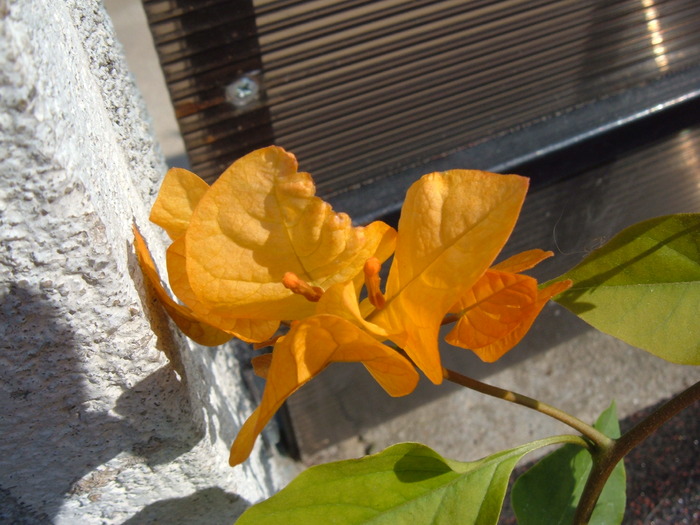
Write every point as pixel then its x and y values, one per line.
pixel 500 308
pixel 310 346
pixel 260 221
pixel 452 227
pixel 258 248
pixel 177 198
pixel 194 328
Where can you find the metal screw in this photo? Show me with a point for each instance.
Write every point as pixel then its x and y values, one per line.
pixel 243 91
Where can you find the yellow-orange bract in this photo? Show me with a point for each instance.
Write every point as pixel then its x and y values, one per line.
pixel 261 220
pixel 258 248
pixel 499 309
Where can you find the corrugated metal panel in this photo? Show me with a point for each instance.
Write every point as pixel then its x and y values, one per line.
pixel 204 46
pixel 359 90
pixel 360 93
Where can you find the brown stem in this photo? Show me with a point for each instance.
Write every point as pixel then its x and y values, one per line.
pixel 604 463
pixel 598 439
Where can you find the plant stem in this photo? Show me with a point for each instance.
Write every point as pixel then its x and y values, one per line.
pixel 604 464
pixel 598 439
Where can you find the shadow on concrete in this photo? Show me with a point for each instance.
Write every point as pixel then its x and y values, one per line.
pixel 212 506
pixel 45 407
pixel 158 406
pixel 53 433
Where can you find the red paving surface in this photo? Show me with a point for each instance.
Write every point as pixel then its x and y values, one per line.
pixel 663 473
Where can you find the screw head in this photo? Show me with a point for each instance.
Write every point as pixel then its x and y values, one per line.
pixel 243 91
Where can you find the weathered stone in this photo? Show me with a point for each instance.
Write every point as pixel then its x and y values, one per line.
pixel 97 426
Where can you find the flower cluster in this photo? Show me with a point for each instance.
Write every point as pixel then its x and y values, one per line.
pixel 258 248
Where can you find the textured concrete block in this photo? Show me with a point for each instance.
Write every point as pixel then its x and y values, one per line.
pixel 97 425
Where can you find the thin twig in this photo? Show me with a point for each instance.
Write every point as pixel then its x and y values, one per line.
pixel 598 439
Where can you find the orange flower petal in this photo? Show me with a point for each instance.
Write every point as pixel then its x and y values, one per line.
pixel 452 226
pixel 194 328
pixel 498 312
pixel 177 198
pixel 341 300
pixel 305 351
pixel 492 309
pixel 523 261
pixel 261 364
pixel 249 330
pixel 260 220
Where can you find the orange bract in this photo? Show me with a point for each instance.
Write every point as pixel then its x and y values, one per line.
pixel 498 311
pixel 310 346
pixel 261 220
pixel 452 227
pixel 258 248
pixel 179 194
pixel 197 330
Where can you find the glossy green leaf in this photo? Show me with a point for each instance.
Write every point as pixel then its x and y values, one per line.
pixel 644 287
pixel 550 490
pixel 405 484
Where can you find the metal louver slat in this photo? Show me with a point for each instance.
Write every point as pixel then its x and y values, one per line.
pixel 354 106
pixel 365 90
pixel 204 46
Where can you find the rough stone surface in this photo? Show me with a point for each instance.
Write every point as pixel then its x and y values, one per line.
pixel 97 425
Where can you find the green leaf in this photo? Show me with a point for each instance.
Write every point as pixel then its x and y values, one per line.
pixel 644 287
pixel 550 491
pixel 405 484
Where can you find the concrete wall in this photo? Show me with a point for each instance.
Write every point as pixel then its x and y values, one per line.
pixel 97 426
